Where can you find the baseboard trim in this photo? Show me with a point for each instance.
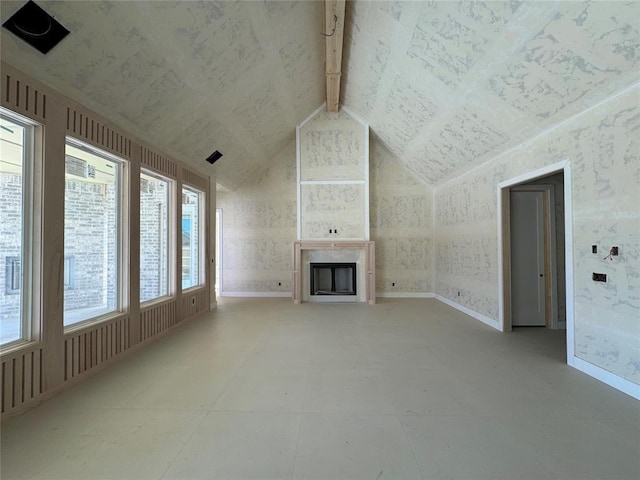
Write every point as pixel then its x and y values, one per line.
pixel 472 313
pixel 605 376
pixel 405 295
pixel 257 294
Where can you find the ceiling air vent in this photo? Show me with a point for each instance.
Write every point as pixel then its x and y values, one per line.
pixel 214 157
pixel 36 27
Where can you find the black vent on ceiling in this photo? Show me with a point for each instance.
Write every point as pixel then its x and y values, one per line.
pixel 214 157
pixel 36 27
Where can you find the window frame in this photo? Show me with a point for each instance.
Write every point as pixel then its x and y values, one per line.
pixel 30 246
pixel 201 234
pixel 170 240
pixel 122 236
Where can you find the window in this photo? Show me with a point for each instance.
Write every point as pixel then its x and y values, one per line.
pixel 155 208
pixel 17 162
pixel 93 233
pixel 69 273
pixel 13 276
pixel 192 237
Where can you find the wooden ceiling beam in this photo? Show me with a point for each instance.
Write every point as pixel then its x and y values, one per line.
pixel 334 31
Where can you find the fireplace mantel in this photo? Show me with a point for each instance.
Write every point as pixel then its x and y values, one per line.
pixel 368 283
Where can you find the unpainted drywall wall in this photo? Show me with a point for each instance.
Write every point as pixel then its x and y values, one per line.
pixel 259 227
pixel 401 219
pixel 602 147
pixel 332 147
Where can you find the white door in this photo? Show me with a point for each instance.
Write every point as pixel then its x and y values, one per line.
pixel 218 284
pixel 527 259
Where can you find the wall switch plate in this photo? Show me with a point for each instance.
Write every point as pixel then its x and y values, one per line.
pixel 599 277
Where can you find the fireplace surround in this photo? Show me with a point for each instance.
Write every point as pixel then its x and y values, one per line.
pixel 360 253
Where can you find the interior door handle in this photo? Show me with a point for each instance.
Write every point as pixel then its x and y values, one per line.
pixel 542 274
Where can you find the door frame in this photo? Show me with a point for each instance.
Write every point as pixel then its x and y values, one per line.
pixel 504 247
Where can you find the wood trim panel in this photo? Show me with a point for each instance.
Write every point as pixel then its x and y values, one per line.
pixel 157 318
pixel 334 26
pixel 194 179
pixel 90 347
pixel 194 302
pixel 22 97
pixel 21 372
pixel 82 125
pixel 158 163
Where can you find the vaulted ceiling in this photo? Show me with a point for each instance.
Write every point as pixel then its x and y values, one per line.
pixel 444 85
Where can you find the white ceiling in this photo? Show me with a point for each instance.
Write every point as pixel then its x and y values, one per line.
pixel 444 85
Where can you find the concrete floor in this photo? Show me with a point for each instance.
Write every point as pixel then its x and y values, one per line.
pixel 263 389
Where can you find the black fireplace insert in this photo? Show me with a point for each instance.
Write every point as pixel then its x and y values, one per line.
pixel 333 278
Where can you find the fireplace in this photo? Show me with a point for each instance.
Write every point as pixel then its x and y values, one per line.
pixel 332 279
pixel 357 254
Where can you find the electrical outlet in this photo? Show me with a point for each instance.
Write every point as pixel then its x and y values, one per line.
pixel 279 284
pixel 599 277
pixel 594 249
pixel 614 251
pixel 393 284
pixel 458 292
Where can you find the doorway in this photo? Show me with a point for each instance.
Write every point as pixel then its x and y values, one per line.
pixel 534 267
pixel 534 247
pixel 218 279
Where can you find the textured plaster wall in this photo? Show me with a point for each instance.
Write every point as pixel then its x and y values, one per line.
pixel 603 148
pixel 447 85
pixel 333 147
pixel 400 216
pixel 333 208
pixel 259 228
